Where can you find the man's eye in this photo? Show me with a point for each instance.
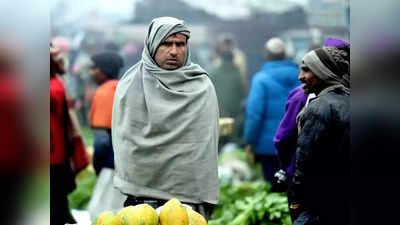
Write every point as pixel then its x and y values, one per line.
pixel 305 69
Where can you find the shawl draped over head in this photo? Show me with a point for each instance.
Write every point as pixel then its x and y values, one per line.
pixel 165 126
pixel 331 65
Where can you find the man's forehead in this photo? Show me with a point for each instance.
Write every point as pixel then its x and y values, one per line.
pixel 177 36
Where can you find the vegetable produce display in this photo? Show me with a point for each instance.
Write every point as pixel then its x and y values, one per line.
pixel 248 203
pixel 245 199
pixel 80 197
pixel 171 213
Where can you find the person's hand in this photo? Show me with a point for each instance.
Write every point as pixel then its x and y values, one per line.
pixel 280 181
pixel 250 155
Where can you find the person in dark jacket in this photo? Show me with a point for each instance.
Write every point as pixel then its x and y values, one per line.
pixel 230 90
pixel 266 105
pixel 322 157
pixel 285 139
pixel 227 83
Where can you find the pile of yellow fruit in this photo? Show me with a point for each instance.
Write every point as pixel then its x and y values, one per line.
pixel 171 213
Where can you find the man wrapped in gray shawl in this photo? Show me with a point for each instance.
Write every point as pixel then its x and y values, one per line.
pixel 165 126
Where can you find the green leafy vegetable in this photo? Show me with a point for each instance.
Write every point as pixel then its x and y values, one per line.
pixel 250 203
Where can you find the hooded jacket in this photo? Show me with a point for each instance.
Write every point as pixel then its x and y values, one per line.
pixel 266 103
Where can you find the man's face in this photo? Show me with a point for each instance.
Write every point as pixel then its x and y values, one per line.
pixel 60 64
pixel 311 83
pixel 96 74
pixel 170 54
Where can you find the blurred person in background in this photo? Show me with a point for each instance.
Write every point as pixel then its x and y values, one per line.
pixel 104 71
pixel 19 151
pixel 225 42
pixel 266 105
pixel 71 80
pixel 165 124
pixel 228 86
pixel 67 150
pixel 285 139
pixel 318 194
pixel 86 87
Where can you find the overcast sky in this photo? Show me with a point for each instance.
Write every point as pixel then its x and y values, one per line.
pixel 122 9
pixel 241 8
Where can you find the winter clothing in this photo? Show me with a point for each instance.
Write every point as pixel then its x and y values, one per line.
pixel 266 103
pixel 326 63
pixel 335 42
pixel 275 46
pixel 286 135
pixel 322 158
pixel 323 146
pixel 165 126
pixel 227 83
pixel 265 107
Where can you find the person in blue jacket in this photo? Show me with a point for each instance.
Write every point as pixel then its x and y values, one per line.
pixel 265 107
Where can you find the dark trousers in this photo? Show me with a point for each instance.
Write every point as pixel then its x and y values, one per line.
pixel 60 185
pixel 205 209
pixel 269 164
pixel 103 150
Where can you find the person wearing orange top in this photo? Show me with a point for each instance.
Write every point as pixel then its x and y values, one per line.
pixel 104 71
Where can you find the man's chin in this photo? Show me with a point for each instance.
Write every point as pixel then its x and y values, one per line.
pixel 306 90
pixel 170 67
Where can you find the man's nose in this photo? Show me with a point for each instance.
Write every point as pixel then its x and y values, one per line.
pixel 301 76
pixel 173 51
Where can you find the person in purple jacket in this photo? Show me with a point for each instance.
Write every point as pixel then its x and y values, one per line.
pixel 286 135
pixel 285 139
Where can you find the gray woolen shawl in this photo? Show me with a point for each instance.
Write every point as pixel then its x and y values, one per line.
pixel 165 126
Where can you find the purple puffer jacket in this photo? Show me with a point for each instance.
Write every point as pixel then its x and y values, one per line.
pixel 286 136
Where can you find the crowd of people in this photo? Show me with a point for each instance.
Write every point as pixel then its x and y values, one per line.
pixel 156 123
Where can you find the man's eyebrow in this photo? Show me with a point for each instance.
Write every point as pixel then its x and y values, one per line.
pixel 170 42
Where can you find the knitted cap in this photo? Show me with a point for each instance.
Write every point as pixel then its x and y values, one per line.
pixel 275 46
pixel 336 42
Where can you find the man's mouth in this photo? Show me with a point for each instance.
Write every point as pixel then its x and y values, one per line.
pixel 172 60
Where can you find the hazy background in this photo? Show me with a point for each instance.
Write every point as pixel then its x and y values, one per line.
pixel 28 26
pixel 252 23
